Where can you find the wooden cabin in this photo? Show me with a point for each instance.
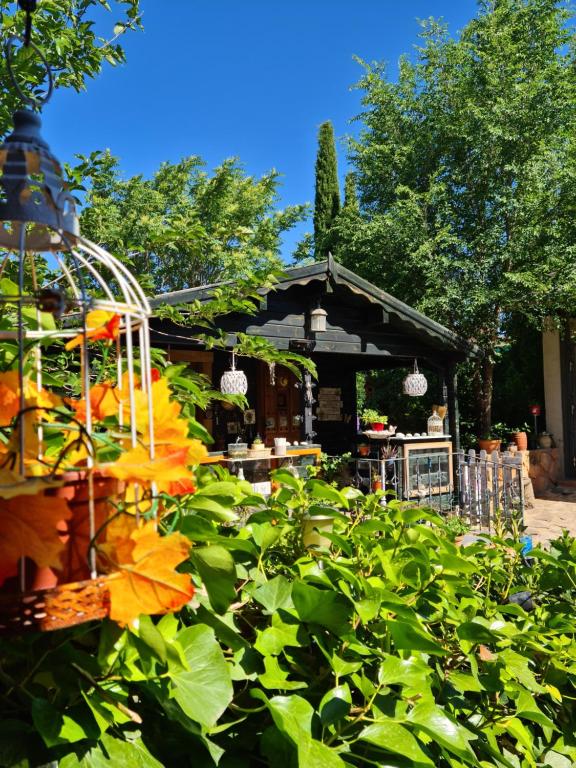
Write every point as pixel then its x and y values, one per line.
pixel 367 329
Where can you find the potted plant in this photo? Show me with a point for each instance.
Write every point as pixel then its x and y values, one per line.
pixel 375 419
pixel 519 436
pixel 489 442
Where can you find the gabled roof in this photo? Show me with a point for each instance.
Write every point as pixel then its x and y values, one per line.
pixel 330 271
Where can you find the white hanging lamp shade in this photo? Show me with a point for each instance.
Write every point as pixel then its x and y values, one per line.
pixel 233 382
pixel 415 384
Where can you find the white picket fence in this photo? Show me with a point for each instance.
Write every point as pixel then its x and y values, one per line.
pixel 487 486
pixel 480 487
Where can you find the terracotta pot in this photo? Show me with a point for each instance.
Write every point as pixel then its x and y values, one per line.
pixel 75 532
pixel 364 450
pixel 376 485
pixel 378 426
pixel 521 440
pixel 489 445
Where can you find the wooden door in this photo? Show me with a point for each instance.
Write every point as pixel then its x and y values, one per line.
pixel 279 406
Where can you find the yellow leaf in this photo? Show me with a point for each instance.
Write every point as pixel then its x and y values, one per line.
pixel 148 582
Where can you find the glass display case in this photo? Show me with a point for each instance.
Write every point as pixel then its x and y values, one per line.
pixel 423 469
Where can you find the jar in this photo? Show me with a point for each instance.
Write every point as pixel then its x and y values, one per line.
pixel 544 440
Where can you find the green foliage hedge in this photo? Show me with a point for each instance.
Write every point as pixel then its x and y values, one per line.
pixel 394 647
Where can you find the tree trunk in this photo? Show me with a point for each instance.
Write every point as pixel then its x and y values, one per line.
pixel 484 386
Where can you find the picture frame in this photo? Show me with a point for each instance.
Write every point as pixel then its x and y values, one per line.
pixel 250 416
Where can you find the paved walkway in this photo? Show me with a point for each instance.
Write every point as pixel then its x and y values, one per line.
pixel 548 516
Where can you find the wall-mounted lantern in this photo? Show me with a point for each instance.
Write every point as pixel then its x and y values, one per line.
pixel 318 319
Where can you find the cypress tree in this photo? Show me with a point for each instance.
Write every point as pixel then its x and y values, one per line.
pixel 327 197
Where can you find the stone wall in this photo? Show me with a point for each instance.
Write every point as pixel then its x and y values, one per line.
pixel 544 469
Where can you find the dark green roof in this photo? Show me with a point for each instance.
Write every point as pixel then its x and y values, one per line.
pixel 331 271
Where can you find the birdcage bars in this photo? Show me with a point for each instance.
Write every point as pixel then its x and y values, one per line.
pixel 39 228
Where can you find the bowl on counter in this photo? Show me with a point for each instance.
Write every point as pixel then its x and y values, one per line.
pixel 237 450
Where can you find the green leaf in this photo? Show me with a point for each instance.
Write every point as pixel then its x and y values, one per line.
pixel 412 672
pixel 449 734
pixel 205 690
pixel 335 704
pixel 321 490
pixel 474 632
pixel 393 737
pixel 275 594
pixel 54 726
pixel 292 716
pixel 149 634
pixel 218 508
pixel 463 682
pixel 410 637
pixel 111 752
pixel 321 606
pixel 218 573
pixel 284 477
pixel 276 678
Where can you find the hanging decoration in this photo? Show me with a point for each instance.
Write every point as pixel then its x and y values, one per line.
pixel 79 466
pixel 233 382
pixel 415 384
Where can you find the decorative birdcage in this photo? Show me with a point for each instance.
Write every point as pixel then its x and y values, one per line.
pixel 59 296
pixel 234 382
pixel 435 424
pixel 415 384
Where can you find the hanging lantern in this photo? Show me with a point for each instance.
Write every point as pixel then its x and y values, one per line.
pixel 88 296
pixel 415 384
pixel 234 382
pixel 318 319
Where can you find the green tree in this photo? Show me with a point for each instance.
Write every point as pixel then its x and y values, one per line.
pixel 350 194
pixel 327 197
pixel 64 31
pixel 184 226
pixel 467 174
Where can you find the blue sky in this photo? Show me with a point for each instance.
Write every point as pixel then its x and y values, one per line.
pixel 251 79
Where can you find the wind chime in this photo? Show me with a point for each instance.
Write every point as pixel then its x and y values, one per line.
pixel 39 235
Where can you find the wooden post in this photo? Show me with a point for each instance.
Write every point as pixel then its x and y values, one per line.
pixel 451 379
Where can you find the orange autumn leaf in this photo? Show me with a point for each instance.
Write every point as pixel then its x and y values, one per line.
pixel 181 487
pixel 100 326
pixel 136 466
pixel 29 528
pixel 103 402
pixel 485 654
pixel 148 582
pixel 10 397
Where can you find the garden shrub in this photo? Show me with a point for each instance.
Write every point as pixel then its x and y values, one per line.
pixel 395 647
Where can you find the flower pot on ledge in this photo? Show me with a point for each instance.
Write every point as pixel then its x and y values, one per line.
pixel 378 426
pixel 489 445
pixel 521 440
